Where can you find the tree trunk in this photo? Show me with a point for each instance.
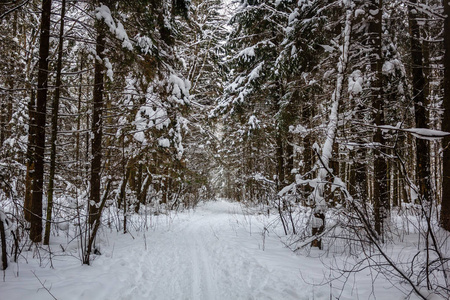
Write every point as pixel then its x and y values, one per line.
pixel 380 192
pixel 41 102
pixel 423 173
pixel 280 159
pixel 289 165
pixel 97 126
pixel 95 227
pixel 307 155
pixel 3 241
pixel 320 203
pixel 30 159
pixel 445 206
pixel 55 110
pixel 3 121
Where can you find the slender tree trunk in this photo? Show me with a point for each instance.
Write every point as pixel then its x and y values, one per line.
pixel 280 159
pixel 320 206
pixel 3 121
pixel 41 102
pixel 97 127
pixel 55 111
pixel 95 227
pixel 307 144
pixel 380 192
pixel 144 190
pixel 289 165
pixel 3 241
pixel 445 206
pixel 30 158
pixel 360 158
pixel 138 188
pixel 423 173
pixel 78 137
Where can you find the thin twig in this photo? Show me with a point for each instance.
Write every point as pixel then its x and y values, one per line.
pixel 43 286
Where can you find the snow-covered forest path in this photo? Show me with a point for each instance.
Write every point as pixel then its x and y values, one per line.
pixel 212 255
pixel 214 252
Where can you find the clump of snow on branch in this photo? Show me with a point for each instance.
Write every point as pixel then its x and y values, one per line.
pixel 247 54
pixel 181 123
pixel 151 114
pixel 355 82
pixel 299 129
pixel 103 12
pixel 145 43
pixel 253 122
pixel 179 89
pixel 109 70
pixel 420 133
pixel 164 142
pixel 390 66
pixel 254 74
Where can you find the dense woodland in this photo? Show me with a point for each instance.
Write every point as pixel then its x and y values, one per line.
pixel 336 108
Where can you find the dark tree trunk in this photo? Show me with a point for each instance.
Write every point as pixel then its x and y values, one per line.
pixel 3 241
pixel 280 159
pixel 30 158
pixel 3 120
pixel 380 195
pixel 423 173
pixel 55 110
pixel 307 144
pixel 289 165
pixel 360 159
pixel 95 227
pixel 41 102
pixel 445 207
pixel 97 127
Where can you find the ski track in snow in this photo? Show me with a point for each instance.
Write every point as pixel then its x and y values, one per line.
pixel 214 252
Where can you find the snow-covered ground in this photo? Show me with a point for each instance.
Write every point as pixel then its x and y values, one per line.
pixel 214 252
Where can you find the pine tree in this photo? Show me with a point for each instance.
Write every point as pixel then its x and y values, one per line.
pixel 38 123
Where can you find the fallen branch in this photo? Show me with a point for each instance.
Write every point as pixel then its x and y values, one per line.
pixel 43 285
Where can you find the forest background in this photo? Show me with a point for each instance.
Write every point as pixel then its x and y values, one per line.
pixel 338 109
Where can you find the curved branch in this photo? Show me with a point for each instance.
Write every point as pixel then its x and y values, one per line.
pixel 13 9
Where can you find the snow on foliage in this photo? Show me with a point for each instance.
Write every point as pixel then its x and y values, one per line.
pixel 163 142
pixel 179 89
pixel 299 129
pixel 427 134
pixel 247 54
pixel 103 12
pixel 253 122
pixel 255 73
pixel 145 43
pixel 109 70
pixel 151 114
pixel 355 82
pixel 155 113
pixel 389 67
pixel 420 133
pixel 177 137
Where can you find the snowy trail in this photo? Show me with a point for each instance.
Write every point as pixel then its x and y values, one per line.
pixel 203 257
pixel 212 253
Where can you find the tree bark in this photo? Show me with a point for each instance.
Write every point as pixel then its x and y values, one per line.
pixel 97 126
pixel 30 159
pixel 380 192
pixel 3 241
pixel 423 172
pixel 55 110
pixel 41 102
pixel 445 206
